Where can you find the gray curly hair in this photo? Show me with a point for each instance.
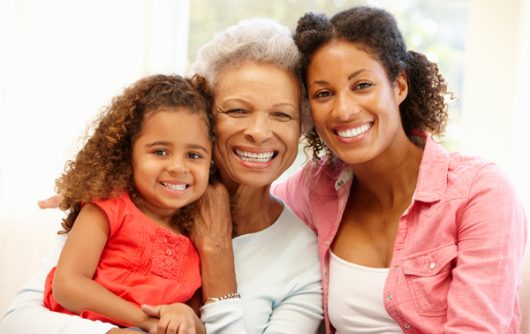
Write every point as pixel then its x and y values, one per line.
pixel 255 40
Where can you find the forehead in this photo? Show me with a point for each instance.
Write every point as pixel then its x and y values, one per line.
pixel 262 78
pixel 337 49
pixel 341 55
pixel 166 118
pixel 165 111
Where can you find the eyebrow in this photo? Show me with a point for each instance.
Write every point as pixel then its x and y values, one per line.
pixel 246 103
pixel 354 74
pixel 165 143
pixel 351 76
pixel 286 104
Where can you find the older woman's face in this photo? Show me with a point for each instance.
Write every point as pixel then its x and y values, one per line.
pixel 257 113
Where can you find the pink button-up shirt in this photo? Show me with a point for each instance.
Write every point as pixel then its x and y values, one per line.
pixel 459 246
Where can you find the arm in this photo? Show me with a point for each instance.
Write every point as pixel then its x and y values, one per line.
pixel 289 299
pixel 26 313
pixel 299 311
pixel 73 286
pixel 51 202
pixel 175 318
pixel 212 235
pixel 491 237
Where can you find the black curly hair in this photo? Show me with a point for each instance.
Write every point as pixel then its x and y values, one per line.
pixel 377 32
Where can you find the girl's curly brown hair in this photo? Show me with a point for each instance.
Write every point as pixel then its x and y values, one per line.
pixel 377 31
pixel 102 168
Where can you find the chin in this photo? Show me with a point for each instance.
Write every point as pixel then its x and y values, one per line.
pixel 253 181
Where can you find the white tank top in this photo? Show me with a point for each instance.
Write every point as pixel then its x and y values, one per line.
pixel 356 299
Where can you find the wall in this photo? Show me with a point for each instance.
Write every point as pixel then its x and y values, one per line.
pixel 496 109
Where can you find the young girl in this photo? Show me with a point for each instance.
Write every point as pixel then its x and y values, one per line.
pixel 130 197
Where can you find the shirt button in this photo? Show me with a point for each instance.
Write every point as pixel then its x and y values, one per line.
pixel 169 252
pixel 389 297
pixel 327 243
pixel 395 268
pixel 407 325
pixel 326 275
pixel 432 265
pixel 169 262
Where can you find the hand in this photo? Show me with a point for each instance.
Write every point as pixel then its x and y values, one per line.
pixel 176 318
pixel 212 225
pixel 51 203
pixel 121 331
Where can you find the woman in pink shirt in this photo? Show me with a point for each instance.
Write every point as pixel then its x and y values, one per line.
pixel 412 238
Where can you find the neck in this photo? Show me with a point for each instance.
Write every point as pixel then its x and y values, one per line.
pixel 391 179
pixel 161 217
pixel 253 209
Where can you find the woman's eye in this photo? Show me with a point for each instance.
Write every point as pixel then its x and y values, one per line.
pixel 161 153
pixel 194 155
pixel 322 94
pixel 236 112
pixel 282 116
pixel 363 85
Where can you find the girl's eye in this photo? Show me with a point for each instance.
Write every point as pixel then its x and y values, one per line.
pixel 362 85
pixel 162 153
pixel 194 155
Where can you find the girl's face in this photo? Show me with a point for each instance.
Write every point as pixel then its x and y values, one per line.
pixel 257 112
pixel 171 159
pixel 354 106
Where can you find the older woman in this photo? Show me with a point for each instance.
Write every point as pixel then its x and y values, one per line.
pixel 267 278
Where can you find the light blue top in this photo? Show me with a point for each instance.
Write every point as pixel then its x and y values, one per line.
pixel 278 277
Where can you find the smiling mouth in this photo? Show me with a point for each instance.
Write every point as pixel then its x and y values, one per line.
pixel 175 187
pixel 255 157
pixel 355 132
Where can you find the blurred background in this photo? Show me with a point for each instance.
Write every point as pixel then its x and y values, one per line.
pixel 62 61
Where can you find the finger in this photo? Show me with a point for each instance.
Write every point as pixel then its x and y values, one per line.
pixel 173 327
pixel 184 329
pixel 152 311
pixel 162 327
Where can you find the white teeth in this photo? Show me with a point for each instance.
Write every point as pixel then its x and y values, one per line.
pixel 254 157
pixel 178 187
pixel 350 133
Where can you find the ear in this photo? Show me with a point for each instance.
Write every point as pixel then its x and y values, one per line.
pixel 401 87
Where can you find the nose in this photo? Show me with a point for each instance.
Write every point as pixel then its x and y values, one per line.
pixel 258 128
pixel 177 165
pixel 345 107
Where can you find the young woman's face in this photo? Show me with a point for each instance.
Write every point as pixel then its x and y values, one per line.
pixel 171 159
pixel 257 112
pixel 355 107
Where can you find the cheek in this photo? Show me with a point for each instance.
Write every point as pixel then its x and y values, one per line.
pixel 290 135
pixel 204 176
pixel 318 114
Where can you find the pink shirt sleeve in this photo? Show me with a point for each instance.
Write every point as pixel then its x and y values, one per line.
pixel 295 195
pixel 491 237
